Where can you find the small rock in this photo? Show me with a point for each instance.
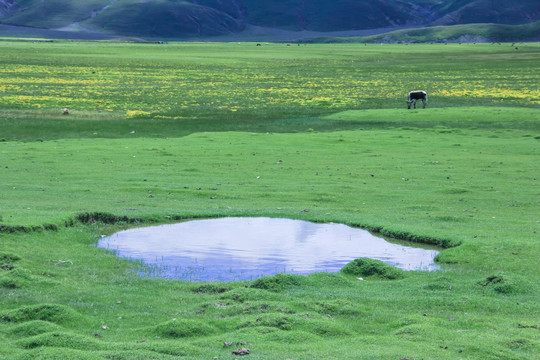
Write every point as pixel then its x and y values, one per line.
pixel 361 279
pixel 227 343
pixel 241 351
pixel 105 327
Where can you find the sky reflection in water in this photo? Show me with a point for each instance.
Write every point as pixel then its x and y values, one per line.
pixel 230 249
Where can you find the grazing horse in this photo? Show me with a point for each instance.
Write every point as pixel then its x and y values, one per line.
pixel 416 95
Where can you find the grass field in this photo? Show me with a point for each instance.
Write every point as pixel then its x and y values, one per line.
pixel 163 132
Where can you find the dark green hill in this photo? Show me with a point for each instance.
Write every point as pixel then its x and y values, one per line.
pixel 487 11
pixel 163 18
pixel 337 15
pixel 453 33
pixel 50 14
pixel 202 18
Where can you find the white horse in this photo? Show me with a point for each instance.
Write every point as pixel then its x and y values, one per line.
pixel 417 95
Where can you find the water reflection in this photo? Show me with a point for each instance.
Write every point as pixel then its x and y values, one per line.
pixel 228 249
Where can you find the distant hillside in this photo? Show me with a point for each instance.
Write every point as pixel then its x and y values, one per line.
pixel 487 11
pixel 5 6
pixel 178 19
pixel 163 18
pixel 453 33
pixel 465 33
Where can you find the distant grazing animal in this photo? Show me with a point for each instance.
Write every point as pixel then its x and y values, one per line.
pixel 417 95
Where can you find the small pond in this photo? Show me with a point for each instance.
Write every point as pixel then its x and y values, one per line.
pixel 231 249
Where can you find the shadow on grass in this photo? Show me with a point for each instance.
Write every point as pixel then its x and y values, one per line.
pixel 27 126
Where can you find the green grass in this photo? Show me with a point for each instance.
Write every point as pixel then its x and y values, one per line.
pixel 462 33
pixel 462 173
pixel 465 33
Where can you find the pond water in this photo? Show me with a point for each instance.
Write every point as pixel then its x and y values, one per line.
pixel 231 249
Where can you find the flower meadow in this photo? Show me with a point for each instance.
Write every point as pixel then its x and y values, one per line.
pixel 202 80
pixel 158 133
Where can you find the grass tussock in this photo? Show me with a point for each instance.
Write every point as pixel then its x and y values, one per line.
pixel 15 279
pixel 33 328
pixel 184 328
pixel 279 282
pixel 373 268
pixel 54 313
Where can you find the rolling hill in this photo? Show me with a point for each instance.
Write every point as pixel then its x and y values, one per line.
pixel 180 19
pixel 454 33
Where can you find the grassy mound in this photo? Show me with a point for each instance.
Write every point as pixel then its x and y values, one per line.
pixel 54 313
pixel 504 284
pixel 182 328
pixel 15 279
pixel 279 282
pixel 7 261
pixel 372 268
pixel 53 353
pixel 61 340
pixel 32 328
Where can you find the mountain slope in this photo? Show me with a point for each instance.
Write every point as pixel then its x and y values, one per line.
pixel 50 14
pixel 488 11
pixel 451 33
pixel 200 18
pixel 5 6
pixel 163 18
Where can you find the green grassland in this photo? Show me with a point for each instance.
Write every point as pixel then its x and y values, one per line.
pixel 464 33
pixel 166 132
